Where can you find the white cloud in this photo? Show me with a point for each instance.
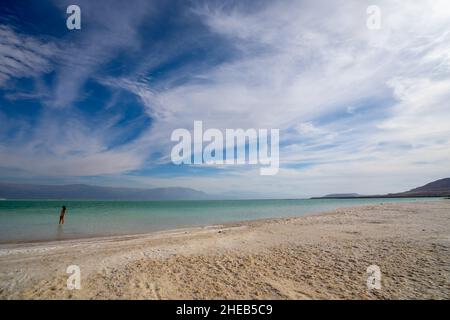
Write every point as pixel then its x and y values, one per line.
pixel 22 56
pixel 359 110
pixel 63 142
pixel 302 62
pixel 60 146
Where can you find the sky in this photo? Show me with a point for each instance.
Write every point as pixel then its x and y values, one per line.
pixel 359 110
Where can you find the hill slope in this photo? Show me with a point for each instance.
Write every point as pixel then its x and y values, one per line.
pixel 438 188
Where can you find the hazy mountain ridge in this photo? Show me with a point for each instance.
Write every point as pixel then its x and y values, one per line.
pixel 342 195
pixel 438 188
pixel 441 186
pixel 90 192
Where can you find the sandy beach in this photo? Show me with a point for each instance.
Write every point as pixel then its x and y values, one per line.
pixel 321 256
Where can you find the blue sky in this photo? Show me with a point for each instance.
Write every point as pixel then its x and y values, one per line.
pixel 358 110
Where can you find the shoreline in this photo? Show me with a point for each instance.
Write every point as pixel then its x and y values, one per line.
pixel 318 256
pixel 118 237
pixel 188 228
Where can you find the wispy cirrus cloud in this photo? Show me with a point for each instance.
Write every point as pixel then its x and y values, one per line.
pixel 65 140
pixel 358 109
pixel 22 55
pixel 302 64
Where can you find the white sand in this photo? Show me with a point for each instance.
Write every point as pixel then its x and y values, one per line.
pixel 315 257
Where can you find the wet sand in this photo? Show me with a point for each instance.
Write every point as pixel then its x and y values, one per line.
pixel 311 257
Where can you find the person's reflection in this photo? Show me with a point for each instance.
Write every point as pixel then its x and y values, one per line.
pixel 60 232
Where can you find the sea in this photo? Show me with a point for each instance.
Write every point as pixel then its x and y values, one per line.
pixel 37 220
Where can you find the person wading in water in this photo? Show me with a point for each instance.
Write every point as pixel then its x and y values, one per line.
pixel 61 215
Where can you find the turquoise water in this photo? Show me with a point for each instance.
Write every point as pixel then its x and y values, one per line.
pixel 32 220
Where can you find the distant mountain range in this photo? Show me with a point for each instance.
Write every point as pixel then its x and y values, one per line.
pixel 438 188
pixel 89 192
pixel 342 195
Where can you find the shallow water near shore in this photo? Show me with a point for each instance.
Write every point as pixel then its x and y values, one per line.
pixel 37 220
